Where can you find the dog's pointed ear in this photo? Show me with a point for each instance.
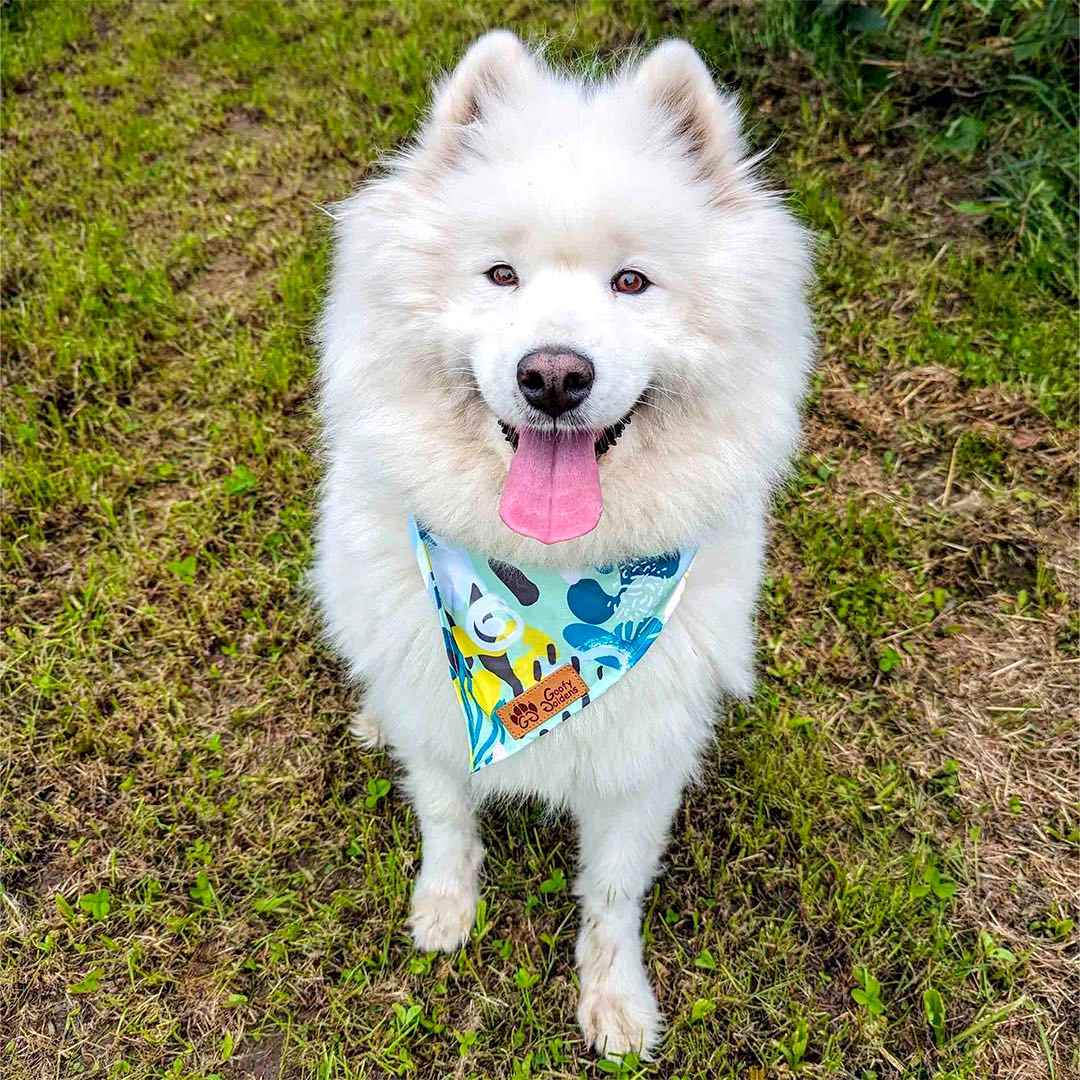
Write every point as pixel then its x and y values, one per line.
pixel 705 121
pixel 495 67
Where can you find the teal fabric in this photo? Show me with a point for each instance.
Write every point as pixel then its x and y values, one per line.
pixel 506 627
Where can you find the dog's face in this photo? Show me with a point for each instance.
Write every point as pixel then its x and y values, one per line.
pixel 558 266
pixel 579 246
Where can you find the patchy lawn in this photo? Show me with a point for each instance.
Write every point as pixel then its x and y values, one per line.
pixel 201 876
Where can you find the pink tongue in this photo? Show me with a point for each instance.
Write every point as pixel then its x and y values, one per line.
pixel 552 492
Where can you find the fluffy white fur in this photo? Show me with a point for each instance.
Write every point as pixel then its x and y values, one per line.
pixel 568 181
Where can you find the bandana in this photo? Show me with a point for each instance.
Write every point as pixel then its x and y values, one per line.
pixel 529 647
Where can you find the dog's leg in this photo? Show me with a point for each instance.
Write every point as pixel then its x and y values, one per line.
pixel 447 887
pixel 622 841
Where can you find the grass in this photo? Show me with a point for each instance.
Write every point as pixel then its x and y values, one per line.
pixel 201 876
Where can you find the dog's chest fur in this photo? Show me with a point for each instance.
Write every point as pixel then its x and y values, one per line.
pixel 658 717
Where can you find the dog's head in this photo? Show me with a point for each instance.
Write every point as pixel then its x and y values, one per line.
pixel 586 272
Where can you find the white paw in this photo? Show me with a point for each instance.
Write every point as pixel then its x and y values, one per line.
pixel 620 1019
pixel 617 1011
pixel 440 920
pixel 364 728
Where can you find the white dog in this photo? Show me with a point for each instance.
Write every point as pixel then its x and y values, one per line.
pixel 552 258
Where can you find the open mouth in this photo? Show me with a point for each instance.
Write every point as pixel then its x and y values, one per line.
pixel 604 442
pixel 552 490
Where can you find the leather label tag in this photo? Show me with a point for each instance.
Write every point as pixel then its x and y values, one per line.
pixel 541 702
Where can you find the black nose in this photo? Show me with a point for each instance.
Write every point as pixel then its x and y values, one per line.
pixel 555 381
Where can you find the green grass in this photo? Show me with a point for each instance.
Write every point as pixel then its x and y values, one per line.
pixel 200 875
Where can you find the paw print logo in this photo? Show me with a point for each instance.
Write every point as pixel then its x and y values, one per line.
pixel 524 713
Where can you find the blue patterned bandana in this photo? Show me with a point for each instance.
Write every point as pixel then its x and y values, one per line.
pixel 529 647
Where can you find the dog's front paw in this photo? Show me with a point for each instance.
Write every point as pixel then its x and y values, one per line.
pixel 440 920
pixel 618 1019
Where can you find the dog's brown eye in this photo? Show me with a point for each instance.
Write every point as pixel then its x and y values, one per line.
pixel 630 282
pixel 501 274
